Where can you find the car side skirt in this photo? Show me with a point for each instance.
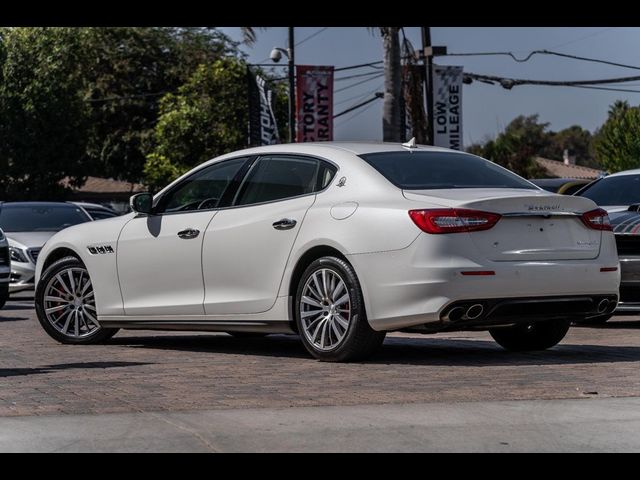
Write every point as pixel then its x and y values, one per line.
pixel 195 324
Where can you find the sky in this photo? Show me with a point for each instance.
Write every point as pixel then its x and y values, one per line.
pixel 487 109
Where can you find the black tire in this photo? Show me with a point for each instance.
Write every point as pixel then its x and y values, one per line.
pixel 601 320
pixel 360 340
pixel 531 336
pixel 99 335
pixel 4 294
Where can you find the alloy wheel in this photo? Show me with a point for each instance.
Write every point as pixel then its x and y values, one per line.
pixel 325 309
pixel 69 303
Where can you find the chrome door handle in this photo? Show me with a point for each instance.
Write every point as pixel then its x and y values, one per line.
pixel 284 224
pixel 189 233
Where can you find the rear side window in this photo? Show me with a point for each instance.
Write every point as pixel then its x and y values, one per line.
pixel 622 190
pixel 279 177
pixel 435 170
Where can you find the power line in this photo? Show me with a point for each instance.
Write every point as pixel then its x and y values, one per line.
pixel 359 75
pixel 362 104
pixel 543 52
pixel 509 83
pixel 360 95
pixel 346 120
pixel 311 36
pixel 358 83
pixel 585 37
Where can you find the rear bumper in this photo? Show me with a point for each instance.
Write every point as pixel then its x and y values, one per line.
pixel 414 286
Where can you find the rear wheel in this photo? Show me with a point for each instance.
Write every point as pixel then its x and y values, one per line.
pixel 65 304
pixel 330 314
pixel 531 336
pixel 4 294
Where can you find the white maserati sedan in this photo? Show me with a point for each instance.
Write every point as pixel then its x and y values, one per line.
pixel 339 243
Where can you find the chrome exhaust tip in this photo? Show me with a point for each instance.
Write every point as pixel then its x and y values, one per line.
pixel 455 314
pixel 603 305
pixel 474 311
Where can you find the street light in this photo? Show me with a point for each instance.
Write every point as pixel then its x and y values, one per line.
pixel 276 56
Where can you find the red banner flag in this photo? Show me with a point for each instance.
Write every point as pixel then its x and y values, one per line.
pixel 314 103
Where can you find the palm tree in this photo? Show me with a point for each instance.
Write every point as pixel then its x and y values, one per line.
pixel 392 111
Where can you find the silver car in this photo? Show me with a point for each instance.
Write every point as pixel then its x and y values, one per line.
pixel 5 269
pixel 619 194
pixel 27 226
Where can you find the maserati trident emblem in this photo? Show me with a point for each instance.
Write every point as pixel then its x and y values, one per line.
pixel 342 182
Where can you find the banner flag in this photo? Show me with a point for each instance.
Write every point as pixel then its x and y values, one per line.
pixel 263 129
pixel 314 109
pixel 447 107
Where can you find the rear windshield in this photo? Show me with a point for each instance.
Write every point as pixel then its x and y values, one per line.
pixel 434 170
pixel 624 190
pixel 23 218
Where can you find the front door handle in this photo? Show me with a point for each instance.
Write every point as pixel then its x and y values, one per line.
pixel 189 233
pixel 284 224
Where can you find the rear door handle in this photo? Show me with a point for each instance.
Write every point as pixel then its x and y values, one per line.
pixel 189 233
pixel 284 224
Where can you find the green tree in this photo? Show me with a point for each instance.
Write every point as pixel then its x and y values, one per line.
pixel 127 71
pixel 516 147
pixel 617 142
pixel 207 117
pixel 43 132
pixel 577 140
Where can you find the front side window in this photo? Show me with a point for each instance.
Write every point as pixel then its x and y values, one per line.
pixel 425 170
pixel 40 218
pixel 203 190
pixel 278 177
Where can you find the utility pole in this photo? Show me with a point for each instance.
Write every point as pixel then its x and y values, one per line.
pixel 428 63
pixel 292 87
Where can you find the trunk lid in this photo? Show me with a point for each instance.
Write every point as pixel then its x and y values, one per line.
pixel 535 225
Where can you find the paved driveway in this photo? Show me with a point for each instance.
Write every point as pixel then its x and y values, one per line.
pixel 147 371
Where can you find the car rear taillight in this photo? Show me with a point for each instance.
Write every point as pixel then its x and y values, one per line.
pixel 597 219
pixel 453 220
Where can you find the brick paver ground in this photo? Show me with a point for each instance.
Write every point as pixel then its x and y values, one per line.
pixel 149 371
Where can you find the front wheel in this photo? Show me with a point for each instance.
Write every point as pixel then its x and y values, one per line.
pixel 330 314
pixel 531 336
pixel 65 304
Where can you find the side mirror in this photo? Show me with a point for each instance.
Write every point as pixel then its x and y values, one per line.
pixel 141 202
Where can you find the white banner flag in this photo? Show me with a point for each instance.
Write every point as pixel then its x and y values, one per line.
pixel 447 107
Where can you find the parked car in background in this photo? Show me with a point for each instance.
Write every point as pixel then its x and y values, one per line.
pixel 562 186
pixel 619 194
pixel 5 269
pixel 27 226
pixel 97 211
pixel 341 243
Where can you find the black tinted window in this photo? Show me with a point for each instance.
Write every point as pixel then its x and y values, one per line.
pixel 202 190
pixel 278 177
pixel 431 170
pixel 623 190
pixel 100 214
pixel 23 218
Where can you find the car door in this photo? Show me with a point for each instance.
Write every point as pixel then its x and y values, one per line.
pixel 246 246
pixel 160 255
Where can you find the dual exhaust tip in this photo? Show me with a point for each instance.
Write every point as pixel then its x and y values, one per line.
pixel 603 305
pixel 468 313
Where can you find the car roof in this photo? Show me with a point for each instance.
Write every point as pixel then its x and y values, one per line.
pixel 635 171
pixel 357 148
pixel 36 204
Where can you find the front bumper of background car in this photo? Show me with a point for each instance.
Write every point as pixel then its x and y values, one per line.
pixel 22 276
pixel 629 284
